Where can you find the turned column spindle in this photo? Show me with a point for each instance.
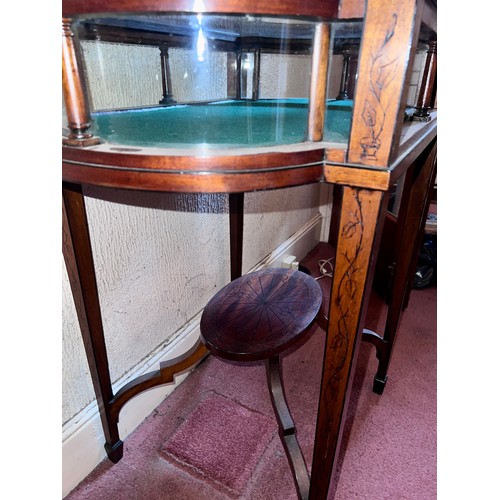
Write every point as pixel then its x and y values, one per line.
pixel 74 93
pixel 256 75
pixel 343 95
pixel 319 76
pixel 166 79
pixel 425 97
pixel 237 75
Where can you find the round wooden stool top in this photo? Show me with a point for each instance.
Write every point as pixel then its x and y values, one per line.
pixel 260 314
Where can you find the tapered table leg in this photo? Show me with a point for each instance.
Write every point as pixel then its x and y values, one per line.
pixel 359 213
pixel 412 222
pixel 80 266
pixel 236 204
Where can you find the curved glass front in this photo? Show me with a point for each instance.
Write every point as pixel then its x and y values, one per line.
pixel 188 81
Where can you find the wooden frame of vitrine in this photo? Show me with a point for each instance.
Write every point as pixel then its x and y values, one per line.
pixel 361 175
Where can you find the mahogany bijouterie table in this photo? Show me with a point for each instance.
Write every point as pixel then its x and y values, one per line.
pixel 361 146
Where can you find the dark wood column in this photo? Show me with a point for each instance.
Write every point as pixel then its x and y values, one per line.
pixel 166 79
pixel 358 214
pixel 236 204
pixel 77 253
pixel 256 75
pixel 237 74
pixel 353 68
pixel 243 82
pixel 343 94
pixel 74 92
pixel 426 94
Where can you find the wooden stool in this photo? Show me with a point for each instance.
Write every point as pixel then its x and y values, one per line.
pixel 257 317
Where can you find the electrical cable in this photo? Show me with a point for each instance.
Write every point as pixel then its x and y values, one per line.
pixel 325 268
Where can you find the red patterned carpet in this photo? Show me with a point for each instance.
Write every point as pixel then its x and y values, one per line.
pixel 215 436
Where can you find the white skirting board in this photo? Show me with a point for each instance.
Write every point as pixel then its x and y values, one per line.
pixel 83 438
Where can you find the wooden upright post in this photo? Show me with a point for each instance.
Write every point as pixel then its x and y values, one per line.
pixel 77 251
pixel 411 224
pixel 237 75
pixel 359 214
pixel 424 102
pixel 391 30
pixel 319 75
pixel 236 206
pixel 256 75
pixel 74 93
pixel 166 79
pixel 343 95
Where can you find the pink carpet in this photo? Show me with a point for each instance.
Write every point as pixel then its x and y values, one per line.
pixel 211 440
pixel 215 436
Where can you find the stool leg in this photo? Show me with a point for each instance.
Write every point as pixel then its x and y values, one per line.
pixel 287 427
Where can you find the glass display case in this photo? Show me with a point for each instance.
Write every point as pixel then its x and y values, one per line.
pixel 230 97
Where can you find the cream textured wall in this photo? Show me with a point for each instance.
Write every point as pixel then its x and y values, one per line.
pixel 123 75
pixel 160 257
pixel 284 75
pixel 158 264
pixel 290 75
pixel 193 80
pixel 416 76
pixel 273 216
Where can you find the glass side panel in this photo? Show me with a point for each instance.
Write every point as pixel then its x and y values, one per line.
pixel 421 99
